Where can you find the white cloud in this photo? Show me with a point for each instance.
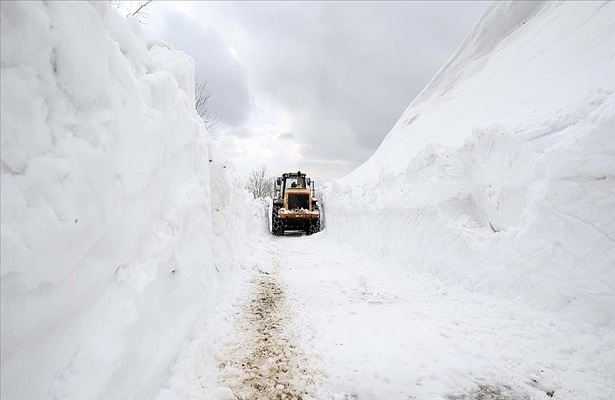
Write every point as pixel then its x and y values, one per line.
pixel 336 75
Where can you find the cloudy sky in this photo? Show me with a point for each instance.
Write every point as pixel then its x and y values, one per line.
pixel 313 86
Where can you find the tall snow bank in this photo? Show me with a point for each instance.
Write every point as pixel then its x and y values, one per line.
pixel 500 175
pixel 118 220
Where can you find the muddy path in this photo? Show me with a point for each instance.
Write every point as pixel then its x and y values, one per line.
pixel 265 360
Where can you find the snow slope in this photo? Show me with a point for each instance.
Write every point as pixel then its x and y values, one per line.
pixel 500 175
pixel 119 220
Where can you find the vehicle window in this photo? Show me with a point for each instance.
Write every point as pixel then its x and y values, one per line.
pixel 298 182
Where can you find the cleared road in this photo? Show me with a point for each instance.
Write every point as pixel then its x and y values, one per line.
pixel 313 319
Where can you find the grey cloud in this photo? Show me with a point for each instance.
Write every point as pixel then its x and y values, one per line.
pixel 226 78
pixel 286 136
pixel 321 170
pixel 239 132
pixel 356 64
pixel 343 72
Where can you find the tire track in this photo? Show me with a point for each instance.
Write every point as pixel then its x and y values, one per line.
pixel 264 360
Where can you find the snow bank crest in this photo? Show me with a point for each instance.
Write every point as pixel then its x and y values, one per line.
pixel 500 176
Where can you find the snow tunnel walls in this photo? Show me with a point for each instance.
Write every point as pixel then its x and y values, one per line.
pixel 111 236
pixel 500 175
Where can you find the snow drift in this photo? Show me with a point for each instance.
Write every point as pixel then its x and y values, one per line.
pixel 500 175
pixel 117 215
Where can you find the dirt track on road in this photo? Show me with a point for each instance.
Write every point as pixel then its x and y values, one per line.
pixel 264 361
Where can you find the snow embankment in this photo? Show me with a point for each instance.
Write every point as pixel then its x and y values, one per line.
pixel 500 176
pixel 118 220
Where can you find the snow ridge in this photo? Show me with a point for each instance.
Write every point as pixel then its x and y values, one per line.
pixel 500 176
pixel 119 219
pixel 482 40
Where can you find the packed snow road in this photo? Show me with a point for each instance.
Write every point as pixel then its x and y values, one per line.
pixel 314 319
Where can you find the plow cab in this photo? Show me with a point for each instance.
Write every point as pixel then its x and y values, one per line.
pixel 295 207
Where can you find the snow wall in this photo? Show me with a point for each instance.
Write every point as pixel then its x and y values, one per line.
pixel 500 175
pixel 119 221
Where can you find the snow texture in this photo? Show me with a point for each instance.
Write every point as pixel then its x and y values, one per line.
pixel 314 319
pixel 117 214
pixel 478 241
pixel 500 176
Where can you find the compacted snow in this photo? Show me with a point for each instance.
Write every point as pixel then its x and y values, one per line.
pixel 314 319
pixel 470 258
